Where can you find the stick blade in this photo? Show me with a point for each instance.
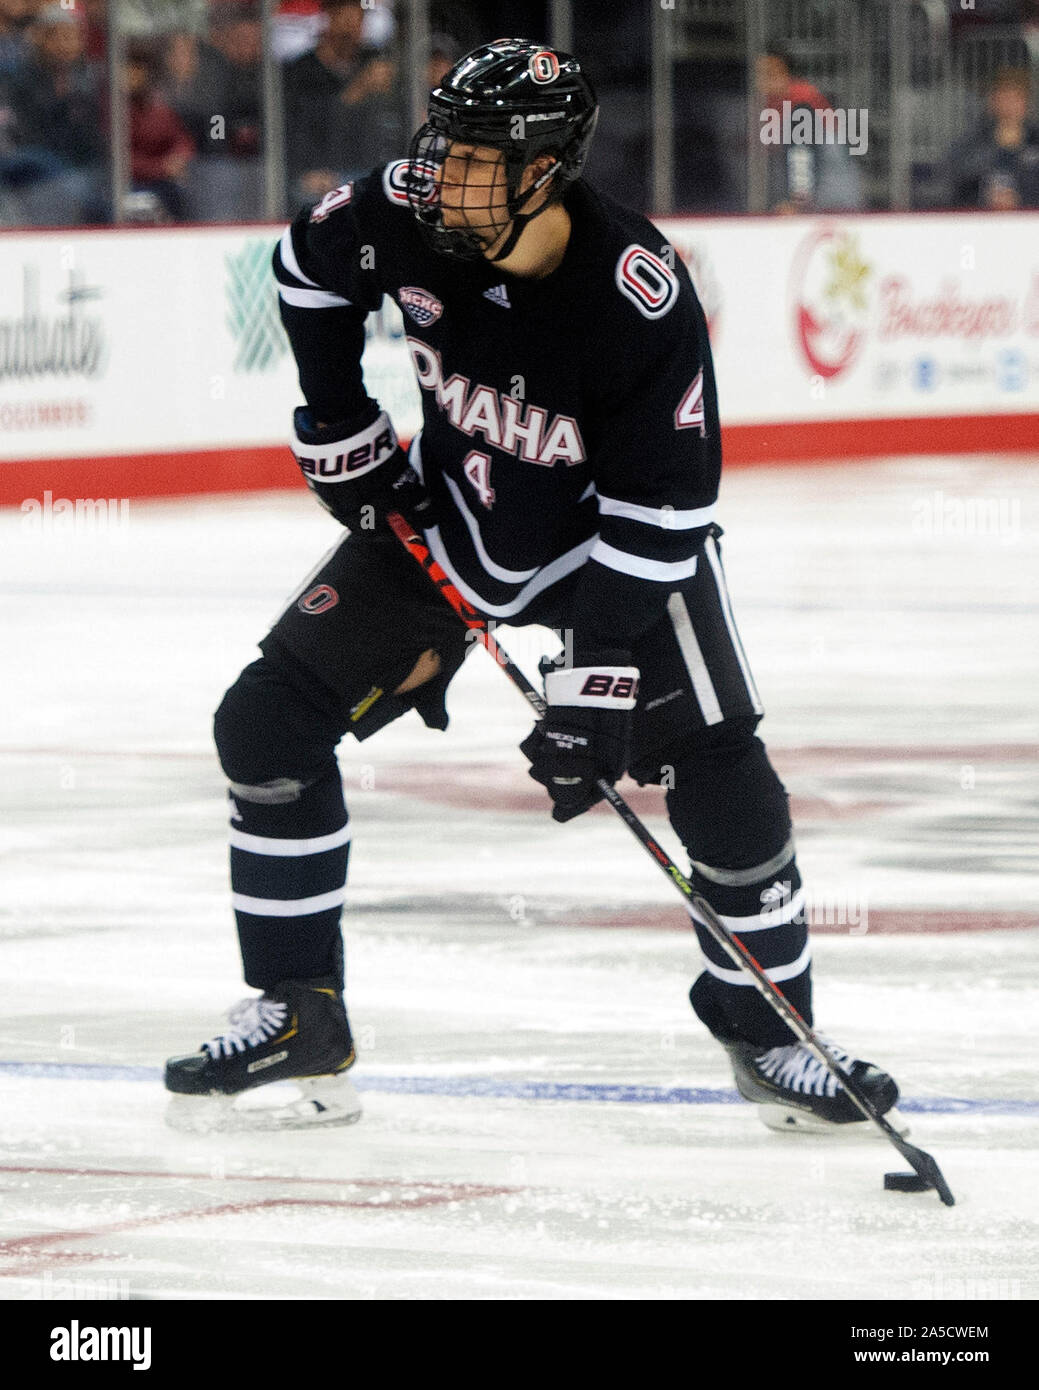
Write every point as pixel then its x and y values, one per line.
pixel 925 1175
pixel 905 1182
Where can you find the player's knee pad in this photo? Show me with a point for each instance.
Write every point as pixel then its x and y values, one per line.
pixel 724 799
pixel 268 735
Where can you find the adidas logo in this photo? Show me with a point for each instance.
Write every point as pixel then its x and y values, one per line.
pixel 498 294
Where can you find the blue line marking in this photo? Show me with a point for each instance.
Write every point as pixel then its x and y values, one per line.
pixel 520 1090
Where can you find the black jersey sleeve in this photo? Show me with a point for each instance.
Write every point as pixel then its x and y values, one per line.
pixel 656 463
pixel 325 266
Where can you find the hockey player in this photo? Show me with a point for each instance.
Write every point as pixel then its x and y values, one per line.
pixel 566 474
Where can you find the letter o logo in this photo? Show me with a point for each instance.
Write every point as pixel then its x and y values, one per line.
pixel 650 284
pixel 544 66
pixel 319 600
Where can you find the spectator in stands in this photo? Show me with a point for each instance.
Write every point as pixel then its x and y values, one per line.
pixel 180 60
pixel 443 54
pixel 802 178
pixel 95 39
pixel 55 168
pixel 997 165
pixel 15 16
pixel 999 13
pixel 214 87
pixel 298 25
pixel 160 146
pixel 343 108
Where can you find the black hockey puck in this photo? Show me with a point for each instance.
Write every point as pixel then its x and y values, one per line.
pixel 905 1182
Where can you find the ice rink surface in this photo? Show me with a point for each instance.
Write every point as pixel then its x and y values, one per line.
pixel 544 1117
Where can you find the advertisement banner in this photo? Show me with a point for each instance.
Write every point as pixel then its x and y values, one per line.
pixel 153 360
pixel 869 316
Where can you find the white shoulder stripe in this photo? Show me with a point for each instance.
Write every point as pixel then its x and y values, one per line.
pixel 668 518
pixel 639 566
pixel 312 299
pixel 289 261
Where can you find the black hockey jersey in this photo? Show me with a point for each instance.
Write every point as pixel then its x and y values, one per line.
pixel 570 440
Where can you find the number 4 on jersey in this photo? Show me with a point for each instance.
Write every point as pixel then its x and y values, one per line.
pixel 690 413
pixel 477 468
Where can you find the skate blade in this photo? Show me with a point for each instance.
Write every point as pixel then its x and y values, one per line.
pixel 787 1120
pixel 307 1103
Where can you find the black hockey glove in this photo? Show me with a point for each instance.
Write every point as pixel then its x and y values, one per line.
pixel 358 474
pixel 586 731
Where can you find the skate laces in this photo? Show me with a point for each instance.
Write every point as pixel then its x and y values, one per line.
pixel 253 1022
pixel 798 1069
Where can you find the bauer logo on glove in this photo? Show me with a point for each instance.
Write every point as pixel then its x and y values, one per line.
pixel 324 453
pixel 585 735
pixel 357 469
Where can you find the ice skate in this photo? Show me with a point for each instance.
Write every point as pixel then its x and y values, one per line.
pixel 282 1064
pixel 795 1092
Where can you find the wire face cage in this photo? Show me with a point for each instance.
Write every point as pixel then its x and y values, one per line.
pixel 465 194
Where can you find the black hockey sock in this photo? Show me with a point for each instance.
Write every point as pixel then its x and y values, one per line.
pixel 730 811
pixel 289 852
pixel 767 914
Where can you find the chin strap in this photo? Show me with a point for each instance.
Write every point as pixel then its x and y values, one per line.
pixel 520 220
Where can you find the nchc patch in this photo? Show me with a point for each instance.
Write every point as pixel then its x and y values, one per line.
pixel 649 282
pixel 422 306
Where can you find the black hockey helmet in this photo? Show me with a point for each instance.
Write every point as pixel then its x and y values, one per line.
pixel 513 96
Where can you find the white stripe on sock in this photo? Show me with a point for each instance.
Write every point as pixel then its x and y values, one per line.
pixel 262 844
pixel 289 907
pixel 762 920
pixel 775 973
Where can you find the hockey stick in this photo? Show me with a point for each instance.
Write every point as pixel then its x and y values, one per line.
pixel 927 1173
